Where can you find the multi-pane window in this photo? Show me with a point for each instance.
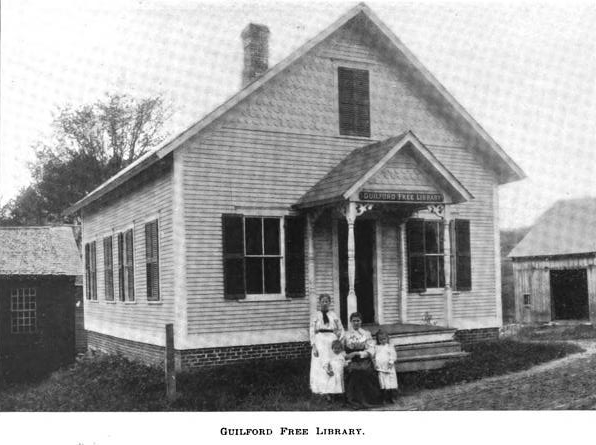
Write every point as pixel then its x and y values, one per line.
pixel 126 266
pixel 460 246
pixel 90 271
pixel 23 310
pixel 253 256
pixel 108 267
pixel 425 255
pixel 152 260
pixel 354 102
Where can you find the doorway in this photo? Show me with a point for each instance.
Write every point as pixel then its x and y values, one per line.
pixel 569 294
pixel 364 235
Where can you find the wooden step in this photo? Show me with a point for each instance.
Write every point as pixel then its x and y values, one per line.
pixel 422 337
pixel 427 349
pixel 427 362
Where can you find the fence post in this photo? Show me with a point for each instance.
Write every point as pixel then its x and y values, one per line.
pixel 169 363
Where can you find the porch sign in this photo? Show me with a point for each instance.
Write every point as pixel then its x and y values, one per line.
pixel 400 196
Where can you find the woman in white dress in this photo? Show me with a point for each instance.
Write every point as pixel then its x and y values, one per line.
pixel 325 328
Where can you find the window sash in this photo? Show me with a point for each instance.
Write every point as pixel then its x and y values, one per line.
pixel 90 271
pixel 23 310
pixel 426 248
pixel 126 266
pixel 258 264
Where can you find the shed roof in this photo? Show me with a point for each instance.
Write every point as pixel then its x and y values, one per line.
pixel 343 180
pixel 567 228
pixel 39 251
pixel 506 169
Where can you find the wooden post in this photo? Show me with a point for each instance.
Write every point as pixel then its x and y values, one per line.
pixel 403 278
pixel 169 364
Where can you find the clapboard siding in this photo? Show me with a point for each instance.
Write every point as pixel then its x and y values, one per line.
pixel 146 198
pixel 390 270
pixel 274 146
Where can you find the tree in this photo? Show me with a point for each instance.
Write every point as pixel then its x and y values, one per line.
pixel 89 144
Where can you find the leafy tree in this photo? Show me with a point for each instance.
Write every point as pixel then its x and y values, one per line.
pixel 89 145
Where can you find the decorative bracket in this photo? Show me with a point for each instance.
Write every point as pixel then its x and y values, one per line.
pixel 352 210
pixel 437 209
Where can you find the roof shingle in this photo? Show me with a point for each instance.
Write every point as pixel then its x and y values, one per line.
pixel 39 251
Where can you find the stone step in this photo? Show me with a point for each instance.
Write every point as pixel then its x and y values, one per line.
pixel 422 337
pixel 427 362
pixel 427 349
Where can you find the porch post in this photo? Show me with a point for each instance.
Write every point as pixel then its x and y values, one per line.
pixel 310 255
pixel 351 218
pixel 447 271
pixel 351 211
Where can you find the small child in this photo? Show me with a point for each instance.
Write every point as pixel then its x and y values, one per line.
pixel 335 368
pixel 385 358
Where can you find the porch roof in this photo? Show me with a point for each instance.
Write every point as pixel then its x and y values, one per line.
pixel 345 179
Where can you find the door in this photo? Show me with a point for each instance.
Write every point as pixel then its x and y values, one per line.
pixel 569 294
pixel 364 234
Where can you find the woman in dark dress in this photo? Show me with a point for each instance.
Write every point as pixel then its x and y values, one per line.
pixel 361 381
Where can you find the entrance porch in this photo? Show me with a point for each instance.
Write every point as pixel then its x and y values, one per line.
pixel 356 238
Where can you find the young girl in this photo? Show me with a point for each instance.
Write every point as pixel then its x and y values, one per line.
pixel 385 358
pixel 335 369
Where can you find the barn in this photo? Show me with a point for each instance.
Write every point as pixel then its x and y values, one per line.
pixel 40 281
pixel 345 169
pixel 554 266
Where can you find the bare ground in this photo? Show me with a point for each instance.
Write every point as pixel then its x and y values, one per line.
pixel 567 383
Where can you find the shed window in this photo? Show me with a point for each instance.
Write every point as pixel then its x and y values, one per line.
pixel 90 271
pixel 425 255
pixel 152 260
pixel 354 102
pixel 527 300
pixel 253 256
pixel 108 266
pixel 462 270
pixel 126 266
pixel 23 310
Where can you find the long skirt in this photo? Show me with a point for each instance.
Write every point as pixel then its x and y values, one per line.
pixel 362 384
pixel 319 379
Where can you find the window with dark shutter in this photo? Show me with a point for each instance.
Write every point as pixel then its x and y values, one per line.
pixel 152 260
pixel 129 276
pixel 108 268
pixel 90 271
pixel 354 102
pixel 425 255
pixel 233 257
pixel 462 271
pixel 294 255
pixel 121 286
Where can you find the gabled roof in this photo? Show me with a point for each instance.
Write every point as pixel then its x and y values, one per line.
pixel 39 251
pixel 567 228
pixel 346 178
pixel 506 168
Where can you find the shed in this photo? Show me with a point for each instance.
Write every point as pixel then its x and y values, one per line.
pixel 553 266
pixel 40 280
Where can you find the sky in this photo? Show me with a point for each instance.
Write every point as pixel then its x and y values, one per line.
pixel 525 71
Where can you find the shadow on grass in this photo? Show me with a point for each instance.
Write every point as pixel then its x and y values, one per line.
pixel 111 383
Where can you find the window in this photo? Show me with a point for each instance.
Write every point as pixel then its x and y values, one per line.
pixel 108 267
pixel 354 102
pixel 126 266
pixel 253 257
pixel 90 271
pixel 152 260
pixel 23 310
pixel 425 255
pixel 527 300
pixel 460 246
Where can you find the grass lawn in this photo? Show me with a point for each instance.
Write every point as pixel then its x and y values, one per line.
pixel 108 383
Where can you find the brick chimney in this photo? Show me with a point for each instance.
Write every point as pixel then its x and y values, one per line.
pixel 255 40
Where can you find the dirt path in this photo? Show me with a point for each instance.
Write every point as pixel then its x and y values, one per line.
pixel 567 383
